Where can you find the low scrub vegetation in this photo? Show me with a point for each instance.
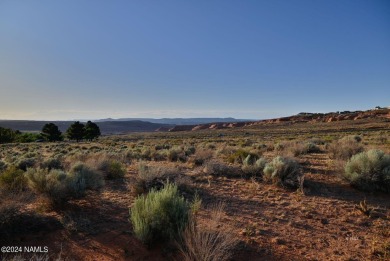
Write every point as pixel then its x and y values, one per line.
pixel 253 168
pixel 55 185
pixel 345 148
pixel 93 178
pixel 153 177
pixel 240 155
pixel 221 169
pixel 161 214
pixel 206 243
pixel 282 171
pixel 13 179
pixel 58 186
pixel 111 169
pixel 369 171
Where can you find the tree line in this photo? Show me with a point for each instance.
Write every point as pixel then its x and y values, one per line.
pixel 50 132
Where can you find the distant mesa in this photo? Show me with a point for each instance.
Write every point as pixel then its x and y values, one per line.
pixel 128 125
pixel 303 117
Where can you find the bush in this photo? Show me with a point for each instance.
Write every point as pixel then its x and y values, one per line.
pixel 3 165
pixel 55 185
pixel 177 154
pixel 12 179
pixel 159 215
pixel 253 168
pixel 26 163
pixel 283 171
pixel 112 169
pixel 369 171
pixel 53 163
pixel 93 178
pixel 345 148
pixel 240 155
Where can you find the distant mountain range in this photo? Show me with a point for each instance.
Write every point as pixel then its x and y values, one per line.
pixel 127 125
pixel 179 121
pixel 117 126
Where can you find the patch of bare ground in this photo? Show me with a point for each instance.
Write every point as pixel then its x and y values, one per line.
pixel 322 224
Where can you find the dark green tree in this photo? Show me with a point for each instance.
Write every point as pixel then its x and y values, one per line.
pixel 91 131
pixel 7 135
pixel 51 132
pixel 76 131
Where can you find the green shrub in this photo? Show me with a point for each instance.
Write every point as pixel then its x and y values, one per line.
pixel 112 169
pixel 12 179
pixel 240 155
pixel 54 184
pixel 369 171
pixel 159 215
pixel 52 163
pixel 283 171
pixel 93 178
pixel 26 163
pixel 312 147
pixel 177 154
pixel 3 165
pixel 253 168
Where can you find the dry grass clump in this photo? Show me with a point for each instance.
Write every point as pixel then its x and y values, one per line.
pixel 300 148
pixel 207 243
pixel 201 156
pixel 296 148
pixel 345 148
pixel 282 171
pixel 220 169
pixel 369 171
pixel 159 215
pixel 152 177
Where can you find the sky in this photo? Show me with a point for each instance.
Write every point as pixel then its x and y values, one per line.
pixel 93 59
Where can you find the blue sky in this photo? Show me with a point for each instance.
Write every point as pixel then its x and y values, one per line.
pixel 245 59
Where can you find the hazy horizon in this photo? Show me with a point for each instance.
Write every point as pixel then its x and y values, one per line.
pixel 74 60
